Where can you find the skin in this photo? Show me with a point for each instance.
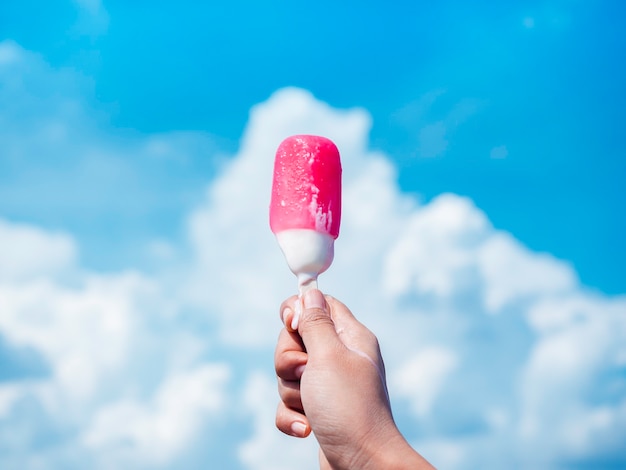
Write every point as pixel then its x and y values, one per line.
pixel 331 382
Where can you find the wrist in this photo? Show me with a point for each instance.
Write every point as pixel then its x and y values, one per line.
pixel 392 453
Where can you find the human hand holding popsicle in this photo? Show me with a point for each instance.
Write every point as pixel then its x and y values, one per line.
pixel 331 381
pixel 330 371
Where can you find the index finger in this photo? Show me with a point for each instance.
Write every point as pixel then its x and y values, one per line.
pixel 289 356
pixel 288 310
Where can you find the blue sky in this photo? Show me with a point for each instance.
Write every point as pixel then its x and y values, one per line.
pixel 542 79
pixel 484 166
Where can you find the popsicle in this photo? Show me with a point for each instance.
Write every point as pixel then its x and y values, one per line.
pixel 305 208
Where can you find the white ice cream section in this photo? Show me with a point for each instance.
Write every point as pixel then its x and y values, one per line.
pixel 308 253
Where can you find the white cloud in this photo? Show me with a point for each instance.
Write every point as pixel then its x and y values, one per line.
pixel 27 252
pixel 8 396
pixel 420 379
pixel 434 252
pixel 84 333
pixel 512 273
pixel 96 335
pixel 572 380
pixel 134 432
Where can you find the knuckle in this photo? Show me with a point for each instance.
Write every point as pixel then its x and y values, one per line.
pixel 288 390
pixel 316 317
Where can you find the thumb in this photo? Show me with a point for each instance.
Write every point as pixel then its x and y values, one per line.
pixel 315 326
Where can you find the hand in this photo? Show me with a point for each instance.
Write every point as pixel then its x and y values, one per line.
pixel 332 382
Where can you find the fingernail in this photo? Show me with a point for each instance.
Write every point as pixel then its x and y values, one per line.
pixel 286 315
pixel 298 428
pixel 314 299
pixel 299 371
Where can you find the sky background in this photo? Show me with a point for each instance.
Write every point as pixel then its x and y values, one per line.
pixel 484 162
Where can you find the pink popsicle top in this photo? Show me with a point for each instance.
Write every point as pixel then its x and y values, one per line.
pixel 306 192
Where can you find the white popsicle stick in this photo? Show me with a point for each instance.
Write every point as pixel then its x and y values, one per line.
pixel 307 285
